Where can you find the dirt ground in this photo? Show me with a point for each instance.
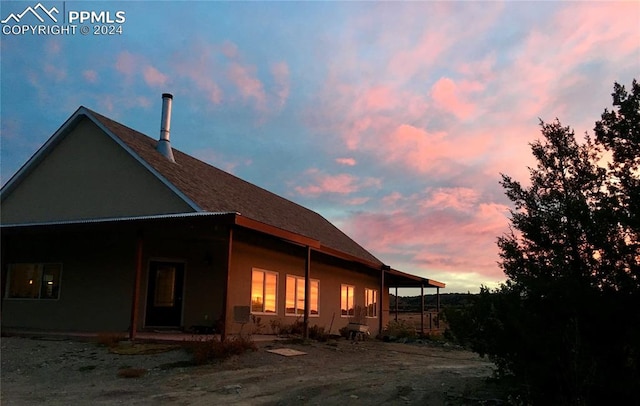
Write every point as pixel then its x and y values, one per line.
pixel 66 372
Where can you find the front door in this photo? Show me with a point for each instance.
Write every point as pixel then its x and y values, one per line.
pixel 164 294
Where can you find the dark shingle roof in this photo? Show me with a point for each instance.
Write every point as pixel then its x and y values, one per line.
pixel 215 190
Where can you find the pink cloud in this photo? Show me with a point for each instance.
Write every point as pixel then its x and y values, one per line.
pixel 222 161
pixel 392 199
pixel 408 62
pixel 357 201
pixel 127 63
pixel 416 148
pixel 346 161
pixel 340 184
pixel 456 232
pixel 154 77
pixel 230 50
pixel 197 65
pixel 448 97
pixel 458 198
pixel 90 75
pixel 280 72
pixel 379 98
pixel 249 86
pixel 143 102
pixel 54 46
pixel 54 72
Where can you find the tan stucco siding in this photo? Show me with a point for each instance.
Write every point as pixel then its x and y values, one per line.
pixel 204 279
pixel 96 283
pixel 246 256
pixel 88 175
pixel 98 274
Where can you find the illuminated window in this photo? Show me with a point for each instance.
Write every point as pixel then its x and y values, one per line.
pixel 165 286
pixel 264 287
pixel 34 281
pixel 371 302
pixel 295 296
pixel 346 300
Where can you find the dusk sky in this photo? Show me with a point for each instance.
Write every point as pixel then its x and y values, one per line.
pixel 392 120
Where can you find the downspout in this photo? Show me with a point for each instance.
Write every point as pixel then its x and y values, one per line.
pixel 136 288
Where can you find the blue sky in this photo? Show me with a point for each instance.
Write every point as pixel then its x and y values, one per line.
pixel 393 120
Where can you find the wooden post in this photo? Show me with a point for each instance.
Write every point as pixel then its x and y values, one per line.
pixel 380 298
pixel 396 303
pixel 421 308
pixel 307 292
pixel 135 300
pixel 225 292
pixel 438 307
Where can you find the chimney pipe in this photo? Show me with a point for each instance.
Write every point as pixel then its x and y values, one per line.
pixel 164 144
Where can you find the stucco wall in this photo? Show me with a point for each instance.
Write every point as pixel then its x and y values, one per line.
pixel 96 282
pixel 88 175
pixel 98 271
pixel 205 277
pixel 249 254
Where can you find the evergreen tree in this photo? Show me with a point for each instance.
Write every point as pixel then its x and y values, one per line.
pixel 565 326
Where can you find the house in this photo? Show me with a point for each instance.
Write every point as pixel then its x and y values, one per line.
pixel 106 229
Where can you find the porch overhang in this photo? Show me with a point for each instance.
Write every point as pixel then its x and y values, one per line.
pixel 399 279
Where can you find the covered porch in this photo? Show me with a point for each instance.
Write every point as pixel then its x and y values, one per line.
pixel 428 321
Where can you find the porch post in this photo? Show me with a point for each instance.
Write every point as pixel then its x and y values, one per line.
pixel 307 292
pixel 380 298
pixel 136 288
pixel 438 307
pixel 225 293
pixel 396 303
pixel 421 308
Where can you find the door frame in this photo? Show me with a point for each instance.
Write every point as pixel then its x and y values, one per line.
pixel 146 289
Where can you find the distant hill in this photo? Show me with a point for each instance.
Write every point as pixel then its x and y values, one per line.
pixel 412 303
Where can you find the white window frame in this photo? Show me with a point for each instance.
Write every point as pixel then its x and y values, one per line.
pixel 297 278
pixel 371 303
pixel 40 266
pixel 264 289
pixel 352 297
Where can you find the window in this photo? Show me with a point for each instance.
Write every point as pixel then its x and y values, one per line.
pixel 346 300
pixel 34 281
pixel 264 287
pixel 295 296
pixel 371 302
pixel 165 286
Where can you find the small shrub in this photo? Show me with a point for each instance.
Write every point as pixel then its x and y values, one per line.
pixel 131 372
pixel 297 328
pixel 275 325
pixel 206 351
pixel 400 329
pixel 257 324
pixel 317 333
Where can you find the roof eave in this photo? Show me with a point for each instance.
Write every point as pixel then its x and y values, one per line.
pixel 409 280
